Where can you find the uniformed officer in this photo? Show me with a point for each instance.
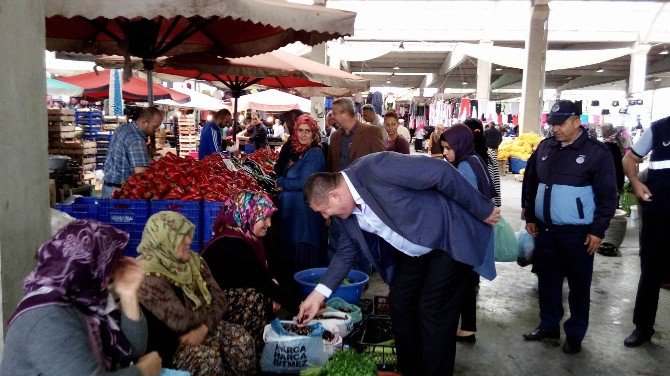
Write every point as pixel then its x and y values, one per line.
pixel 654 201
pixel 572 199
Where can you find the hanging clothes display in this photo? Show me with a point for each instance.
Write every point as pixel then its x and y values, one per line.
pixel 378 102
pixel 465 109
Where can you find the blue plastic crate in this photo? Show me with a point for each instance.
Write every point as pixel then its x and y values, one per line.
pixel 210 212
pixel 81 208
pixel 189 209
pixel 516 164
pixel 88 121
pixel 126 215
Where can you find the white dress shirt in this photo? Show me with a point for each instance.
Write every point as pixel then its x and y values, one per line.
pixel 370 222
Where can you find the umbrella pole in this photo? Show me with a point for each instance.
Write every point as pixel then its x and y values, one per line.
pixel 149 66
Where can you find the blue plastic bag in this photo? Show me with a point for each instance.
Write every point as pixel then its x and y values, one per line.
pixel 505 245
pixel 526 246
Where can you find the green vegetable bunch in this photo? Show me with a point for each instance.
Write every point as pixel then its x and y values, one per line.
pixel 345 363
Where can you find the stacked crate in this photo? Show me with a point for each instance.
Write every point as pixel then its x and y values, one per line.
pixel 102 140
pixel 61 127
pixel 110 123
pixel 80 151
pixel 188 137
pixel 90 121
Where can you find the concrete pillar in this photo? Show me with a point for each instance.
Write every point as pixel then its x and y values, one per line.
pixel 483 83
pixel 638 69
pixel 318 54
pixel 533 75
pixel 24 174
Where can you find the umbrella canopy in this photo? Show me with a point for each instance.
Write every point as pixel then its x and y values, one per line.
pixel 198 100
pixel 277 69
pixel 96 86
pixel 274 101
pixel 153 28
pixel 55 87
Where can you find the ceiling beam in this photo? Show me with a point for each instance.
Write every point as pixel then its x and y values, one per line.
pixel 506 80
pixel 586 81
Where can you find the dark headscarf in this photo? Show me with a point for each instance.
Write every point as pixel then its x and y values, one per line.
pixel 73 270
pixel 238 216
pixel 461 140
pixel 477 129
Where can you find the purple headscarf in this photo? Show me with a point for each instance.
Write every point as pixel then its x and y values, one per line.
pixel 73 270
pixel 461 140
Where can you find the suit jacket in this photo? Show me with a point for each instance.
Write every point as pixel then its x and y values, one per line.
pixel 425 200
pixel 366 139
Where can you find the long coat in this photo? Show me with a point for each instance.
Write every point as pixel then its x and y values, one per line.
pixel 367 139
pixel 300 224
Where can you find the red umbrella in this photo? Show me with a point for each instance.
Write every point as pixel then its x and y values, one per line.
pixel 276 69
pixel 150 29
pixel 96 86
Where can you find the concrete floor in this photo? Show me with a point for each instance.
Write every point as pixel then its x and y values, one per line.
pixel 508 307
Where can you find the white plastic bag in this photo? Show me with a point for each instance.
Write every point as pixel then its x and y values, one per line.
pixel 341 320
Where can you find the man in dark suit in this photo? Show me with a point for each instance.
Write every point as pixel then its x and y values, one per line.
pixel 351 141
pixel 423 227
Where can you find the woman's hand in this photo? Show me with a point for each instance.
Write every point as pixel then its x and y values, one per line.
pixel 195 336
pixel 128 278
pixel 150 364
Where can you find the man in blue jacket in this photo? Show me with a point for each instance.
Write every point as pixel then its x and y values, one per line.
pixel 211 137
pixel 423 227
pixel 571 198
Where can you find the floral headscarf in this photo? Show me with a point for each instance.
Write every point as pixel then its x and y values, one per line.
pixel 238 216
pixel 162 236
pixel 73 270
pixel 296 146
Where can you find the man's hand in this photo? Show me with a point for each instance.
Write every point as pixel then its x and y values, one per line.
pixel 309 308
pixel 532 229
pixel 642 192
pixel 195 336
pixel 593 243
pixel 494 217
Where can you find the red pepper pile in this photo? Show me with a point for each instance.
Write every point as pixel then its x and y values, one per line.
pixel 266 159
pixel 174 178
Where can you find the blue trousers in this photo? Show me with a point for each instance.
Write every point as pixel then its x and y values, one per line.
pixel 560 254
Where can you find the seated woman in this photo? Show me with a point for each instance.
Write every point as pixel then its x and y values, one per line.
pixel 395 141
pixel 237 259
pixel 459 150
pixel 68 323
pixel 185 307
pixel 302 229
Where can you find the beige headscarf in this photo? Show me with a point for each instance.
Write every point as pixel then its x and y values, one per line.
pixel 161 238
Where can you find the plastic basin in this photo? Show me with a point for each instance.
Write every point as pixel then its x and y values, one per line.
pixel 351 293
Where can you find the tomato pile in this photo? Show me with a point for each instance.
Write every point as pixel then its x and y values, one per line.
pixel 174 178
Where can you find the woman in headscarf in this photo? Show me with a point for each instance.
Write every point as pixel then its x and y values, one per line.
pixel 615 142
pixel 459 150
pixel 68 322
pixel 237 259
pixel 185 307
pixel 302 244
pixel 487 155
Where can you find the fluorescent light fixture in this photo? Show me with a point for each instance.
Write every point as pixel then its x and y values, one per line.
pixel 390 73
pixel 664 52
pixel 388 81
pixel 498 69
pixel 396 67
pixel 464 83
pixel 600 70
pixel 658 79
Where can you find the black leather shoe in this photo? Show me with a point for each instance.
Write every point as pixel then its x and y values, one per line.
pixel 572 347
pixel 540 334
pixel 467 339
pixel 637 338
